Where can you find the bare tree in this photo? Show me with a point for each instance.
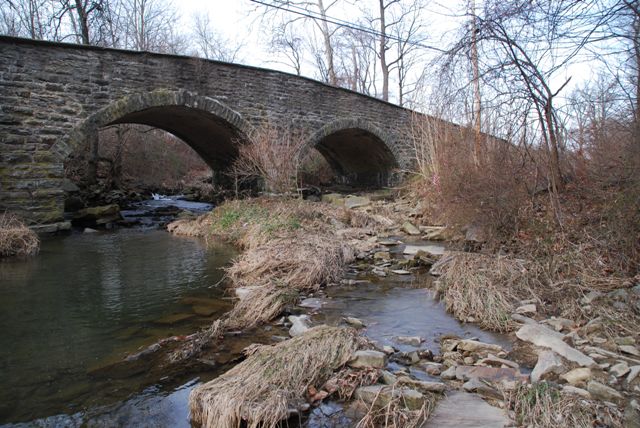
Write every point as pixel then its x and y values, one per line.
pixel 210 44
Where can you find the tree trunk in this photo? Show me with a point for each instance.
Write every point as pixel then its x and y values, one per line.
pixel 83 20
pixel 384 67
pixel 328 48
pixel 477 102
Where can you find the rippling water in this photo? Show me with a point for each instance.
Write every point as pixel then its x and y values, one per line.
pixel 90 299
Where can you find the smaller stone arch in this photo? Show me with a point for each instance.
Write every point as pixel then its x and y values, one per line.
pixel 359 152
pixel 154 108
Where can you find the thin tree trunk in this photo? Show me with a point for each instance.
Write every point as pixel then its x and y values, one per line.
pixel 333 78
pixel 384 67
pixel 84 22
pixel 477 101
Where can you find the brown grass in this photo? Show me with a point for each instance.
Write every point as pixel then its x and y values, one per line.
pixel 261 390
pixel 262 304
pixel 313 260
pixel 542 406
pixel 16 239
pixel 488 288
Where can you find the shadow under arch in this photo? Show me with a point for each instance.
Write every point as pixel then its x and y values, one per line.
pixel 205 124
pixel 359 153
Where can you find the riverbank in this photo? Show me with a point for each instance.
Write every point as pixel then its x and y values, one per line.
pixel 294 248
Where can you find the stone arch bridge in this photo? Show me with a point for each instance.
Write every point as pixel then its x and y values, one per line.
pixel 55 97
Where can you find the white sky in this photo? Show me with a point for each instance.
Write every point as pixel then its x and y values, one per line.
pixel 234 21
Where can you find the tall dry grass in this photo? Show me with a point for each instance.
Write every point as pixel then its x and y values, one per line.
pixel 16 239
pixel 541 405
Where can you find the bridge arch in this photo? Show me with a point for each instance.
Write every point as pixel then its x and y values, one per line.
pixel 208 126
pixel 359 152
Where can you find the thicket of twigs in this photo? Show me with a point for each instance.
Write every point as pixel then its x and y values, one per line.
pixel 16 239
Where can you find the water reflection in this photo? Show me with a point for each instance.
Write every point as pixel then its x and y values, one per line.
pixel 87 298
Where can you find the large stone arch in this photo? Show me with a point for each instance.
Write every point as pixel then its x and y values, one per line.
pixel 194 118
pixel 359 152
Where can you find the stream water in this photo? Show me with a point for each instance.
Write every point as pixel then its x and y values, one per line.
pixel 88 300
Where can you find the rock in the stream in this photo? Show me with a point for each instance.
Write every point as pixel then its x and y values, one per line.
pixel 401 272
pixel 548 362
pixel 434 250
pixel 477 346
pixel 356 322
pixel 422 385
pixel 388 378
pixel 603 392
pixel 311 303
pixel 492 360
pixel 368 359
pixel 492 374
pixel 409 340
pixel 482 388
pixel 382 395
pixel 299 325
pixel 542 336
pixel 577 376
pixel 410 229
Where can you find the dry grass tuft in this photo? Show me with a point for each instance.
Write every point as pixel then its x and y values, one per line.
pixel 261 305
pixel 395 414
pixel 16 239
pixel 314 260
pixel 261 390
pixel 541 406
pixel 196 227
pixel 488 288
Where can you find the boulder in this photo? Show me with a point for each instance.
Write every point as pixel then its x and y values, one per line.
pixel 356 322
pixel 368 359
pixel 433 233
pixel 352 202
pixel 434 250
pixel 620 369
pixel 477 346
pixel 548 362
pixel 410 229
pixel 577 376
pixel 299 325
pixel 422 385
pixel 492 360
pixel 543 336
pixel 96 213
pixel 482 388
pixel 603 392
pixel 382 395
pixel 569 389
pixel 491 374
pixel 409 340
pixel 628 349
pixel 526 309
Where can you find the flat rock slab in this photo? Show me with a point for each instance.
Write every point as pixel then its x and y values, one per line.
pixel 434 250
pixel 462 410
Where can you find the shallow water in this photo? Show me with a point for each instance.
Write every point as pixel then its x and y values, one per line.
pixel 90 299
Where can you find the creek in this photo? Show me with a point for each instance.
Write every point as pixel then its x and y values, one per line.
pixel 89 300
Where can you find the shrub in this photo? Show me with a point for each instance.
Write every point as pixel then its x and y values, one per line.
pixel 271 155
